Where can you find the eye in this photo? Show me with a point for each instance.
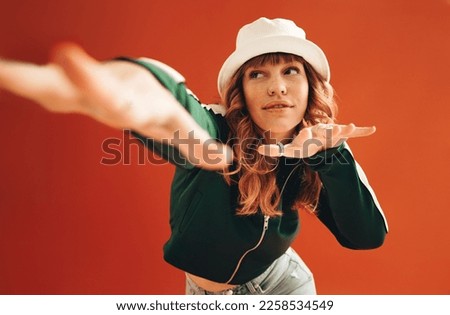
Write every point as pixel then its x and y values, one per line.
pixel 292 71
pixel 255 74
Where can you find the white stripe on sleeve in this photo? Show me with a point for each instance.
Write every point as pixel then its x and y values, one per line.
pixel 363 178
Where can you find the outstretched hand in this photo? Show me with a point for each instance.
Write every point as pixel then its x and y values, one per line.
pixel 74 82
pixel 116 93
pixel 313 139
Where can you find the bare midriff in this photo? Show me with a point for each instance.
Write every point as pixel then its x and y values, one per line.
pixel 209 285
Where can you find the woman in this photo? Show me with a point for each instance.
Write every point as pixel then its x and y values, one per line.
pixel 234 209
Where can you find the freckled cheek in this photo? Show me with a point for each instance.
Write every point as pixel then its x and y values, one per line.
pixel 256 114
pixel 252 101
pixel 303 98
pixel 256 117
pixel 252 92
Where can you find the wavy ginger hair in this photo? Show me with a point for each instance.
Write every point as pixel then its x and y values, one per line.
pixel 256 172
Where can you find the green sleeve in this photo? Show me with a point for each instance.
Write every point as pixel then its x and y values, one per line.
pixel 347 205
pixel 206 118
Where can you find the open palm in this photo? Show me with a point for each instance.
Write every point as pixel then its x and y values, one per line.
pixel 313 139
pixel 116 93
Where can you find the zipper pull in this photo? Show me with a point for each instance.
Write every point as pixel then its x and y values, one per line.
pixel 266 222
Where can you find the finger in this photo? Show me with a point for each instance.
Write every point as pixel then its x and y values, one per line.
pixel 342 132
pixel 26 79
pixel 77 64
pixel 338 135
pixel 20 78
pixel 290 150
pixel 359 132
pixel 46 85
pixel 325 131
pixel 304 135
pixel 305 144
pixel 83 70
pixel 274 150
pixel 337 130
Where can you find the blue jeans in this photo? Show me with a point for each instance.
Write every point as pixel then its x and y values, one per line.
pixel 288 275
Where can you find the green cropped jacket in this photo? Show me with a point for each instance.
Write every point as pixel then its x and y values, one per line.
pixel 209 240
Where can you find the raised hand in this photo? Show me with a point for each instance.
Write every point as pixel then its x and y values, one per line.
pixel 116 93
pixel 313 139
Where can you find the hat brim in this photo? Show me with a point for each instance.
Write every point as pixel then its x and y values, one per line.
pixel 271 44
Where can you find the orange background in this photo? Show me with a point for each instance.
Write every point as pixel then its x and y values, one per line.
pixel 70 225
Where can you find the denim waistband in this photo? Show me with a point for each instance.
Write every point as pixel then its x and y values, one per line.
pixel 252 286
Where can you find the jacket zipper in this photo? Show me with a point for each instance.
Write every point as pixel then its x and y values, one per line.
pixel 265 228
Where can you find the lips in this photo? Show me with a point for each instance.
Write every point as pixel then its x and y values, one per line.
pixel 277 105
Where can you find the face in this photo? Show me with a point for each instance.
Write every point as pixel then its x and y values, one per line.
pixel 276 96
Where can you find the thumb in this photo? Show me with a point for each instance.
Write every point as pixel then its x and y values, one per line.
pixel 79 67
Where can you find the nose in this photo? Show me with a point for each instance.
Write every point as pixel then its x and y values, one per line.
pixel 277 86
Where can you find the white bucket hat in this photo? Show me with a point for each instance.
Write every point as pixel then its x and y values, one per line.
pixel 267 36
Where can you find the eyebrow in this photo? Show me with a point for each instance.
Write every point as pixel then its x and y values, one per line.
pixel 268 64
